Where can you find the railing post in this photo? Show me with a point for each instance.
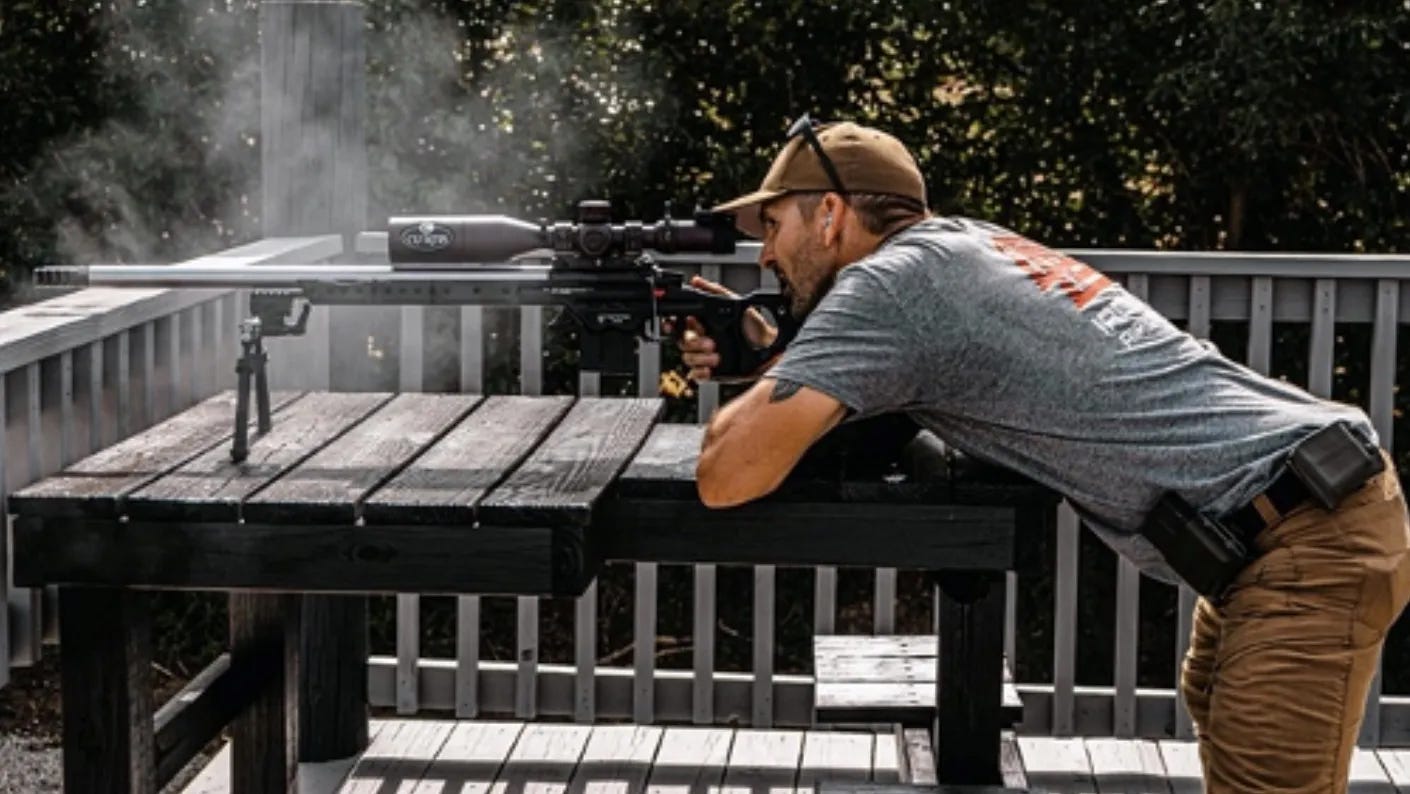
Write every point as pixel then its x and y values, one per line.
pixel 314 166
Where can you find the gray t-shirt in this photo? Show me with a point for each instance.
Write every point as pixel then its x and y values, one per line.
pixel 1019 355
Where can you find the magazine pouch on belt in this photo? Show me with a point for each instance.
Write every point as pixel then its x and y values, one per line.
pixel 1208 553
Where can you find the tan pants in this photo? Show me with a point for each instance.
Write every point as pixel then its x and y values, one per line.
pixel 1278 671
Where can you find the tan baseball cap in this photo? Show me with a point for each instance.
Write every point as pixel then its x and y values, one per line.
pixel 867 161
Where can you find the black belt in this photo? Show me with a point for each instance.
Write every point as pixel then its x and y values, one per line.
pixel 1284 494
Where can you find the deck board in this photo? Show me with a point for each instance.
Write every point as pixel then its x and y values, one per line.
pixel 433 756
pixel 1397 766
pixel 1368 775
pixel 1127 766
pixel 835 755
pixel 543 760
pixel 1060 765
pixel 690 761
pixel 617 760
pixel 766 763
pixel 398 757
pixel 471 758
pixel 1182 766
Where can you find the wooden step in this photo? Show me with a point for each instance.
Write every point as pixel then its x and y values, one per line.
pixel 889 678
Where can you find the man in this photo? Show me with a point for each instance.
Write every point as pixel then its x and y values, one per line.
pixel 1017 354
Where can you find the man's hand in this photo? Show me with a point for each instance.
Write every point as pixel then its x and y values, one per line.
pixel 698 350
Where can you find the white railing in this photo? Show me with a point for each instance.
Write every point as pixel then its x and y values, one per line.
pixel 83 370
pixel 136 337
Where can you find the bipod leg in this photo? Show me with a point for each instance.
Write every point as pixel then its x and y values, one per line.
pixel 240 447
pixel 251 363
pixel 262 388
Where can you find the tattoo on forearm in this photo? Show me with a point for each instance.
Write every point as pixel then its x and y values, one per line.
pixel 783 390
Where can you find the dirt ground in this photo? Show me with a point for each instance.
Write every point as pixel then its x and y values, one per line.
pixel 31 727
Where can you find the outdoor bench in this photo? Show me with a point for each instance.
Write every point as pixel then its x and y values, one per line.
pixel 355 493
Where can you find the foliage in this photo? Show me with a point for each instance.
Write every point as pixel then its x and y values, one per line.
pixel 131 131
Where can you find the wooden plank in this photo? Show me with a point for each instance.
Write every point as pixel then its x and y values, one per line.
pixel 1182 766
pixel 106 691
pixel 644 644
pixel 330 485
pixel 919 754
pixel 702 704
pixel 328 558
pixel 763 642
pixel 585 612
pixel 96 485
pixel 763 761
pixel 408 653
pixel 824 599
pixel 264 633
pixel 798 533
pixel 836 756
pixel 1367 775
pixel 1011 763
pixel 1127 766
pixel 543 760
pixel 969 614
pixel 617 759
pixel 884 601
pixel 565 476
pixel 1381 410
pixel 399 757
pixel 1260 324
pixel 1059 765
pixel 910 702
pixel 1128 616
pixel 467 657
pixel 690 760
pixel 841 646
pixel 333 710
pixel 526 638
pixel 201 710
pixel 885 759
pixel 6 547
pixel 446 483
pixel 1397 766
pixel 1065 622
pixel 211 487
pixel 470 759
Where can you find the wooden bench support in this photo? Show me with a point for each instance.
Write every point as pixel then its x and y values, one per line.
pixel 199 712
pixel 969 617
pixel 264 737
pixel 333 711
pixel 106 690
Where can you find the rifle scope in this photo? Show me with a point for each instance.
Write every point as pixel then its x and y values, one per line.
pixel 497 238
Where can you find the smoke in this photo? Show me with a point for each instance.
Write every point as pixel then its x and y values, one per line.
pixel 170 172
pixel 517 111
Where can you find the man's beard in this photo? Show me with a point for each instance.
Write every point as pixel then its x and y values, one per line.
pixel 800 305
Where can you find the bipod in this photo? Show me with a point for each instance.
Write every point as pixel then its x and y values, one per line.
pixel 252 363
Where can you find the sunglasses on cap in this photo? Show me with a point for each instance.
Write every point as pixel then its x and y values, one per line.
pixel 804 126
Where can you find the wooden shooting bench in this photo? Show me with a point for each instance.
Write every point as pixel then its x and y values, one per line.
pixel 457 494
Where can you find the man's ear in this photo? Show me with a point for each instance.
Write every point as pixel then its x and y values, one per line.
pixel 832 208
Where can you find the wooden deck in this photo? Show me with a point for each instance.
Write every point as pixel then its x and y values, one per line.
pixel 425 756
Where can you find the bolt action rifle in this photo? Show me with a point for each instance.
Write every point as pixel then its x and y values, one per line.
pixel 601 273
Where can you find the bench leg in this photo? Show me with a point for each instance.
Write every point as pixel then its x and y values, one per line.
pixel 264 630
pixel 333 705
pixel 105 666
pixel 969 620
